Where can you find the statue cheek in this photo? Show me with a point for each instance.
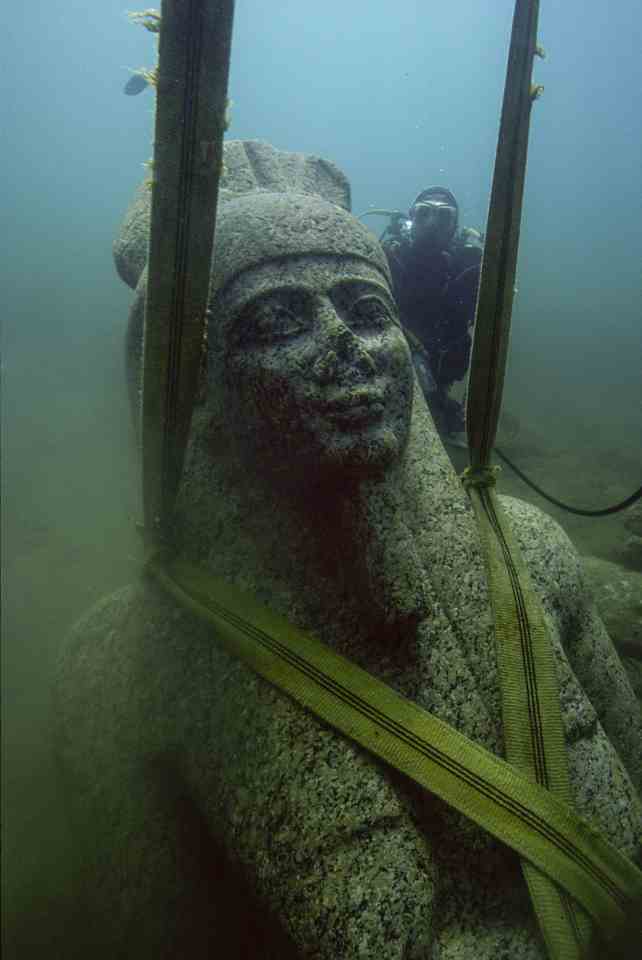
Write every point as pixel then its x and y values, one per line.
pixel 267 388
pixel 245 386
pixel 396 356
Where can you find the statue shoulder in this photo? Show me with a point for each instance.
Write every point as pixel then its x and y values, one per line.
pixel 118 774
pixel 92 641
pixel 92 658
pixel 557 573
pixel 541 538
pixel 554 565
pixel 102 681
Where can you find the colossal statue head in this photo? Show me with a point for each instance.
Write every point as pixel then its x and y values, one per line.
pixel 306 353
pixel 307 364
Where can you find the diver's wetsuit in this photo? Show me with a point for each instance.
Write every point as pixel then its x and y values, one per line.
pixel 436 296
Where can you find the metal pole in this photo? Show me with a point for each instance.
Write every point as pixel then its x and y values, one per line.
pixel 193 69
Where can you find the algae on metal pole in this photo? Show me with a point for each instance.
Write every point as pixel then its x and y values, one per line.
pixel 150 19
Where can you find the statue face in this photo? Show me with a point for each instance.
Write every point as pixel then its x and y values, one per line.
pixel 316 369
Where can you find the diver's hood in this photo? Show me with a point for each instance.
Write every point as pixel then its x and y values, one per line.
pixel 437 193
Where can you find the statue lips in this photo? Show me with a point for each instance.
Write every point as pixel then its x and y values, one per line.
pixel 358 406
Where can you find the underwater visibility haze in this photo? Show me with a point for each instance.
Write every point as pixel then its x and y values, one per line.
pixel 401 97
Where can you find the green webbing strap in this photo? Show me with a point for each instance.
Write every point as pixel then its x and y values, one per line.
pixel 541 827
pixel 193 63
pixel 534 739
pixel 532 722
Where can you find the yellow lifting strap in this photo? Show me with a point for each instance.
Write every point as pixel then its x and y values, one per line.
pixel 193 66
pixel 540 826
pixel 532 724
pixel 531 717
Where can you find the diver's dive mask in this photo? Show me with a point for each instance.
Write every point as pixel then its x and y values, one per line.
pixel 433 223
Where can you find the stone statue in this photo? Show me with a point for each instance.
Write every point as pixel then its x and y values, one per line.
pixel 219 818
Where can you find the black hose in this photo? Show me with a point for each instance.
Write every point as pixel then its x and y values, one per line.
pixel 565 506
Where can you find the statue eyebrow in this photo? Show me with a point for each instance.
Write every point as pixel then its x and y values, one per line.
pixel 284 288
pixel 372 285
pixel 309 290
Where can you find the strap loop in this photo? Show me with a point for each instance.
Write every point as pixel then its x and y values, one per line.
pixel 478 476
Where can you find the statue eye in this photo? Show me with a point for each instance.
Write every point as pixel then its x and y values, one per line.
pixel 274 321
pixel 369 313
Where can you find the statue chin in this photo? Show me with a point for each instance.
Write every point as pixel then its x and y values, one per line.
pixel 363 455
pixel 355 445
pixel 335 458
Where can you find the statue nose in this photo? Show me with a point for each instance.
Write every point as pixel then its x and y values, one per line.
pixel 342 348
pixel 335 332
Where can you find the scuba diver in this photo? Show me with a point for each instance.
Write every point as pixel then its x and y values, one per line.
pixel 435 269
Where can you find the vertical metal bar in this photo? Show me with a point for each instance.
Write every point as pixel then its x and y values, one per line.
pixel 495 299
pixel 193 69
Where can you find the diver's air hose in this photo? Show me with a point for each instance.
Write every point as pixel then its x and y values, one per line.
pixel 604 512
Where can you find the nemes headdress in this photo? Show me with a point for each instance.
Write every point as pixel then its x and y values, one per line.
pixel 258 227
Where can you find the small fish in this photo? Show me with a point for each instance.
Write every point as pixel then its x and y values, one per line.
pixel 135 85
